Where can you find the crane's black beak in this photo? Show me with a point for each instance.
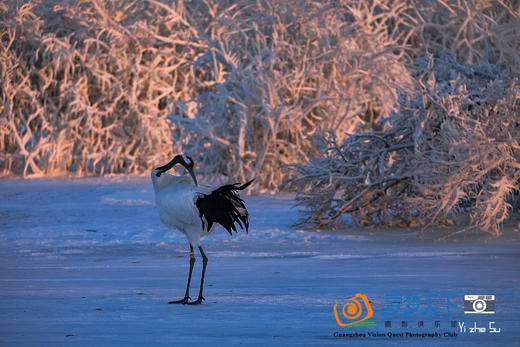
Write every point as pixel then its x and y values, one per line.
pixel 192 173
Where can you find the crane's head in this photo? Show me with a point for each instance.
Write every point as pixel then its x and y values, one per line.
pixel 182 159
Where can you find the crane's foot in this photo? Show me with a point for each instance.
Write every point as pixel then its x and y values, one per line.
pixel 185 300
pixel 197 302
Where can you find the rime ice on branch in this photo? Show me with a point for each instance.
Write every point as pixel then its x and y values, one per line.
pixel 450 149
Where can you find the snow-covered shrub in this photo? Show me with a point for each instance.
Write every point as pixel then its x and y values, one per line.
pixel 470 29
pixel 451 148
pixel 83 84
pixel 87 85
pixel 118 86
pixel 279 71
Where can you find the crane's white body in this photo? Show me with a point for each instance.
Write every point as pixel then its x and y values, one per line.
pixel 175 198
pixel 195 211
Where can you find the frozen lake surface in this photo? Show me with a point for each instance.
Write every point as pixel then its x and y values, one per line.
pixel 87 262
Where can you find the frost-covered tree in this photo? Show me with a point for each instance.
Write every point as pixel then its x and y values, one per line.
pixel 453 147
pixel 117 86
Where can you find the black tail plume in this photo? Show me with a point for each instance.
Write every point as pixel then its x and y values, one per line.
pixel 244 186
pixel 225 207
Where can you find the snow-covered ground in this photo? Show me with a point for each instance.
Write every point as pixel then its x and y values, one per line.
pixel 87 262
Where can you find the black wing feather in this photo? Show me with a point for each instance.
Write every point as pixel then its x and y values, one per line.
pixel 225 207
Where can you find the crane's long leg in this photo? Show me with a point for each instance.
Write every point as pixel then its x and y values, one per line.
pixel 204 263
pixel 187 295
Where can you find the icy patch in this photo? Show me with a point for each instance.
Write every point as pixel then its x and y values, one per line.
pixel 243 254
pixel 430 254
pixel 129 202
pixel 340 256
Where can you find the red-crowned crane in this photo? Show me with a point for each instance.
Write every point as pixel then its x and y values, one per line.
pixel 194 211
